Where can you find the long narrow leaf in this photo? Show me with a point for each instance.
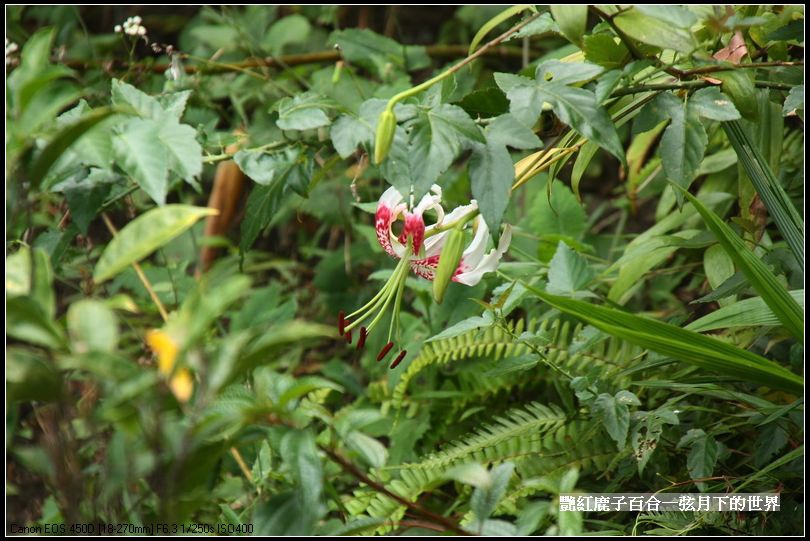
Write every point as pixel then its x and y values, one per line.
pixel 688 346
pixel 785 216
pixel 765 283
pixel 746 313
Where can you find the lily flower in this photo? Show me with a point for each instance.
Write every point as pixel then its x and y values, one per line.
pixel 419 249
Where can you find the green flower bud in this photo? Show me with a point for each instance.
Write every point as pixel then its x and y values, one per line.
pixel 448 263
pixel 386 126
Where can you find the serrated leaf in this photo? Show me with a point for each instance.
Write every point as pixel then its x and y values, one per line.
pixel 506 130
pixel 683 143
pixel 144 235
pixel 436 138
pixel 184 152
pixel 139 153
pixel 702 456
pixel 579 109
pixel 568 272
pixel 614 416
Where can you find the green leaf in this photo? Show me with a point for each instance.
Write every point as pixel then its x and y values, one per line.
pixel 568 272
pixel 794 103
pixel 738 86
pixel 140 153
pixel 471 473
pixel 702 456
pixel 437 136
pixel 761 278
pixel 655 29
pixel 486 498
pixel 567 72
pixel 92 326
pixel 688 346
pixel 66 137
pixel 572 20
pixel 30 378
pixel 260 210
pixel 144 235
pixel 605 50
pixel 491 176
pixel 124 94
pixel 713 104
pixel 349 131
pixel 683 143
pixel 303 112
pixel 674 15
pixel 267 168
pixel 184 152
pixel 577 107
pixel 288 30
pixel 37 282
pixel 557 213
pixel 614 415
pixel 506 130
pixel 27 321
pixel 753 312
pixel 300 454
pixel 485 103
pixel 374 52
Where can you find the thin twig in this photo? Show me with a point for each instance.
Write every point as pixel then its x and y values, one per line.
pixel 436 51
pixel 350 468
pixel 144 280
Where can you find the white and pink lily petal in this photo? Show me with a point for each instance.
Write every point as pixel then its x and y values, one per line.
pixel 474 262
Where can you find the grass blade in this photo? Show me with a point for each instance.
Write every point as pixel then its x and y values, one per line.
pixel 751 312
pixel 785 216
pixel 688 346
pixel 765 283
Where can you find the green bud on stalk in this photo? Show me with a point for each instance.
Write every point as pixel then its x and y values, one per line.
pixel 448 263
pixel 386 126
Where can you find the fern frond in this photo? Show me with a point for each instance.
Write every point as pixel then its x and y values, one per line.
pixel 495 344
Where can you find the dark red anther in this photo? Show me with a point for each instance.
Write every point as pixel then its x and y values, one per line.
pixel 398 359
pixel 362 341
pixel 341 322
pixel 385 351
pixel 349 336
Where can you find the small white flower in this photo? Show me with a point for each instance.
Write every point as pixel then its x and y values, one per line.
pixel 118 29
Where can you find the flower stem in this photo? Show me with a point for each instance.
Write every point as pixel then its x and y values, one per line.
pixel 430 82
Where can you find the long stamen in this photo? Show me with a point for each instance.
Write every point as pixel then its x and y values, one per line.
pixel 362 340
pixel 384 351
pixel 398 359
pixel 399 275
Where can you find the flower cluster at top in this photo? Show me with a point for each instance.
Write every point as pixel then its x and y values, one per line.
pixel 433 252
pixel 132 27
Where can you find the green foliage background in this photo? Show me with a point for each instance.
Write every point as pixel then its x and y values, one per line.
pixel 644 333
